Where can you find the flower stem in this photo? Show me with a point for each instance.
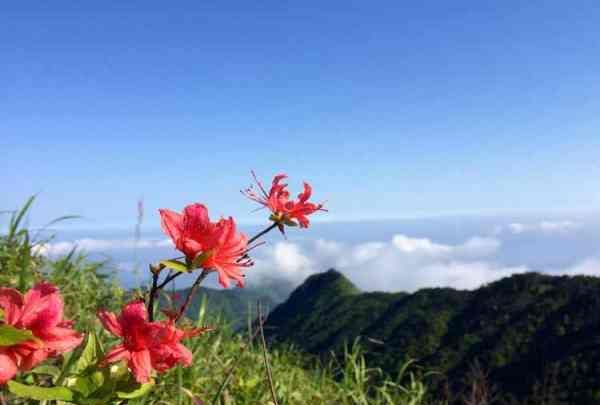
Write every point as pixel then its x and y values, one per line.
pixel 169 278
pixel 266 356
pixel 263 232
pixel 233 366
pixel 188 299
pixel 153 291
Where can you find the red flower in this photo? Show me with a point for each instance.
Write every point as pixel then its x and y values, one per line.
pixel 223 248
pixel 40 311
pixel 146 345
pixel 227 251
pixel 285 212
pixel 187 229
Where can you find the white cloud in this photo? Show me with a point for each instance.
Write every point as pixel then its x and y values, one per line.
pixel 479 247
pixel 98 245
pixel 402 263
pixel 587 267
pixel 548 227
pixel 418 245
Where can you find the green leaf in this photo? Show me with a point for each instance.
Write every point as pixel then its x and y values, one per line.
pixel 137 392
pixel 9 335
pixel 99 386
pixel 198 260
pixel 47 370
pixel 86 384
pixel 90 355
pixel 17 218
pixel 175 265
pixel 40 393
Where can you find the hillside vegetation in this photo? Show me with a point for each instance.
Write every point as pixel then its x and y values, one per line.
pixel 233 306
pixel 228 367
pixel 530 338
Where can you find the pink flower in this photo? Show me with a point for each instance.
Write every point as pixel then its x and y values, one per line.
pixel 146 346
pixel 285 211
pixel 40 311
pixel 224 248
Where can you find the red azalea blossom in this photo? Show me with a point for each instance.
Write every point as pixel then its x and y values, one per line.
pixel 228 250
pixel 193 234
pixel 40 311
pixel 146 346
pixel 186 229
pixel 285 211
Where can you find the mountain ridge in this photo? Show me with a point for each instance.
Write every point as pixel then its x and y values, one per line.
pixel 519 328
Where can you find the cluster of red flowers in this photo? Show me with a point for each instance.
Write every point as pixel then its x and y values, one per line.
pixel 39 311
pixel 217 246
pixel 147 345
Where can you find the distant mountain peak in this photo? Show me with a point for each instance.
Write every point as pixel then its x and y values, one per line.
pixel 330 283
pixel 318 291
pixel 522 329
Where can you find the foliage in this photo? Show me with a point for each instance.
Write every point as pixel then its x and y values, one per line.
pixel 518 329
pixel 299 378
pixel 79 377
pixel 20 258
pixel 86 286
pixel 234 305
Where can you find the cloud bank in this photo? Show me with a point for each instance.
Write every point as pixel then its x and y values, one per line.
pixel 545 227
pixel 98 245
pixel 587 267
pixel 402 263
pixel 398 262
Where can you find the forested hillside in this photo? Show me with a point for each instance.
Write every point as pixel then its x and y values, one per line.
pixel 535 336
pixel 232 305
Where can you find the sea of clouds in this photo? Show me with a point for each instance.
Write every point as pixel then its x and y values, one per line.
pixel 459 252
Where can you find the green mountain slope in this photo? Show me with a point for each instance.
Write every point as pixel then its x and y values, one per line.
pixel 532 332
pixel 233 305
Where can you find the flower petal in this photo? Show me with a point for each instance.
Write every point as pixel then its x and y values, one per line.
pixel 35 358
pixel 172 224
pixel 141 365
pixel 117 353
pixel 223 279
pixel 42 309
pixel 133 313
pixel 305 195
pixel 195 219
pixel 61 340
pixel 8 368
pixel 110 322
pixel 11 302
pixel 185 355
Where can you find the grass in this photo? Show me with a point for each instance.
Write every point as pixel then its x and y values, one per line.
pixel 229 367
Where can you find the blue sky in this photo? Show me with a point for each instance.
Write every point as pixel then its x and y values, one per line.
pixel 388 109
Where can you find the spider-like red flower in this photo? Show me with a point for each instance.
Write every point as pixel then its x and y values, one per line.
pixel 39 311
pixel 220 246
pixel 146 346
pixel 284 211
